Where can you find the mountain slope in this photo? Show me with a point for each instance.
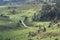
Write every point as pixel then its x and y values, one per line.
pixel 4 2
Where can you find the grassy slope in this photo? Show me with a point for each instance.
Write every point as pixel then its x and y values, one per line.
pixel 16 34
pixel 22 10
pixel 21 34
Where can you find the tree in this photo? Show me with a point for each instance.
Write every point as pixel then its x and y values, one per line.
pixel 13 11
pixel 26 18
pixel 44 30
pixel 34 17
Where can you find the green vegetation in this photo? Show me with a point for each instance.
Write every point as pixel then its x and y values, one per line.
pixel 14 19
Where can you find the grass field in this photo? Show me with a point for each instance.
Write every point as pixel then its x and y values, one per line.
pixel 16 34
pixel 22 34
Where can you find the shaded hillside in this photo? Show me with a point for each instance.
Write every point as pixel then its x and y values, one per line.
pixel 48 13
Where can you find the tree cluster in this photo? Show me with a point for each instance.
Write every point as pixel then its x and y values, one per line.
pixel 48 13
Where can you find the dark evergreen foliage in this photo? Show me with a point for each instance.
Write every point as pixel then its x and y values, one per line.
pixel 44 30
pixel 48 13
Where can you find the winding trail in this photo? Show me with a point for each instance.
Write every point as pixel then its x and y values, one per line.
pixel 23 23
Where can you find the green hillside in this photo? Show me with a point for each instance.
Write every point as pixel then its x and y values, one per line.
pixel 16 23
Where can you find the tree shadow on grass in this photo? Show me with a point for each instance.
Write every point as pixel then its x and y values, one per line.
pixel 6 28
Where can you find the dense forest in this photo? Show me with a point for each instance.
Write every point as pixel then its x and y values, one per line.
pixel 48 13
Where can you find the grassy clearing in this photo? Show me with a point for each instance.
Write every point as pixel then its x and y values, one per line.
pixel 16 34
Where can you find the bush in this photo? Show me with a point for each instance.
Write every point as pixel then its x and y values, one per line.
pixel 56 39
